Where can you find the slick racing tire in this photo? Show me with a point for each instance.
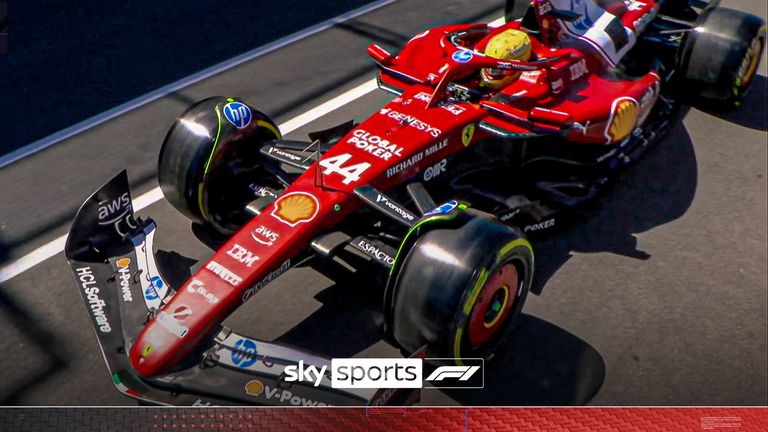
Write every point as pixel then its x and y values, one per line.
pixel 210 158
pixel 461 290
pixel 721 55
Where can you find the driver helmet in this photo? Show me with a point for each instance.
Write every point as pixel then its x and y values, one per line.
pixel 510 44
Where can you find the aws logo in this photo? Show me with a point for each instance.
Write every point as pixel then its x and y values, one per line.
pixel 264 236
pixel 112 210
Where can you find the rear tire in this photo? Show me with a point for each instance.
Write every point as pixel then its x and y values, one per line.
pixel 460 290
pixel 721 55
pixel 210 157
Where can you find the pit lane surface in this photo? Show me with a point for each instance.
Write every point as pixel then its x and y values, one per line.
pixel 71 63
pixel 658 298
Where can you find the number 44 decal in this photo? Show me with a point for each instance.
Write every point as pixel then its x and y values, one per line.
pixel 334 164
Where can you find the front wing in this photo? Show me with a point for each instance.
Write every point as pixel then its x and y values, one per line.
pixel 111 255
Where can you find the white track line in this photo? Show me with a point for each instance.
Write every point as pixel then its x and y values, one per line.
pixel 96 120
pixel 332 105
pixel 52 248
pixel 497 22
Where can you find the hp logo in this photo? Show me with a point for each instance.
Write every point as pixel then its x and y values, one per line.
pixel 238 114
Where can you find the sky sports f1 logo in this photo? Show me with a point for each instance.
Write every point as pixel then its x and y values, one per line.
pixel 470 374
pixel 376 373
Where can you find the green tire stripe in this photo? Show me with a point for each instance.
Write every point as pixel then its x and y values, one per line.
pixel 208 164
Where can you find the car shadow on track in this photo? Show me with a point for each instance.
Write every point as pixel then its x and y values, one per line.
pixel 346 324
pixel 539 364
pixel 753 112
pixel 658 190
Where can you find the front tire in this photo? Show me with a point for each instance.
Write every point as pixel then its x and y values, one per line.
pixel 461 290
pixel 209 159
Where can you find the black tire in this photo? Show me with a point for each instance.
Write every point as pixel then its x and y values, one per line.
pixel 720 56
pixel 207 162
pixel 449 276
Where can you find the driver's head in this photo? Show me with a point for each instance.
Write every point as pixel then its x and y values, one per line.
pixel 508 45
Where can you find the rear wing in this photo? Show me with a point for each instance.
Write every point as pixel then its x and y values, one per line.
pixel 111 253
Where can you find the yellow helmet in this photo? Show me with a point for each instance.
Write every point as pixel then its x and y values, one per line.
pixel 508 45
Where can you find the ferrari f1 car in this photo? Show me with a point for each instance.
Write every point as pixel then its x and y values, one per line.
pixel 439 191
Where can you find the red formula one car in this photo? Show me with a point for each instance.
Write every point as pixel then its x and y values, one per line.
pixel 438 191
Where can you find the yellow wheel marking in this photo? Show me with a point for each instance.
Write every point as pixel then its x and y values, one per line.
pixel 749 65
pixel 513 244
pixel 200 200
pixel 467 308
pixel 457 347
pixel 476 292
pixel 271 128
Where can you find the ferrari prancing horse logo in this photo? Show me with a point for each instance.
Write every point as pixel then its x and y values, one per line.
pixel 467 133
pixel 295 208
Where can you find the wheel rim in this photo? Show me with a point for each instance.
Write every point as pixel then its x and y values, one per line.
pixel 493 305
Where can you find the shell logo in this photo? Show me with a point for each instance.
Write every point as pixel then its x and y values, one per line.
pixel 295 208
pixel 123 262
pixel 254 387
pixel 624 113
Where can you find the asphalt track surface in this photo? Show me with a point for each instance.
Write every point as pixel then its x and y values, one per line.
pixel 659 298
pixel 67 61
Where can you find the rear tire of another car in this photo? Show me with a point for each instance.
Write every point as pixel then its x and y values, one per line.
pixel 209 159
pixel 460 290
pixel 720 56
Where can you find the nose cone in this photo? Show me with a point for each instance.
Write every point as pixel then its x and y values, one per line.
pixel 141 357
